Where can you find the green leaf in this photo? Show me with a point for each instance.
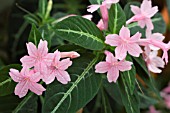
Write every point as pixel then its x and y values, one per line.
pixel 28 104
pixel 117 18
pixel 113 90
pixel 80 31
pixel 146 100
pixel 131 102
pixel 7 85
pixel 145 75
pixel 158 21
pixel 46 34
pixel 84 85
pixel 8 103
pixel 106 108
pixel 34 35
pixel 130 76
pixel 42 7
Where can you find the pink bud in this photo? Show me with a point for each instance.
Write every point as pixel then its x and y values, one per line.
pixel 71 54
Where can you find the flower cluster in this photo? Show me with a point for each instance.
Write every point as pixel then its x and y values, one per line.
pixel 39 64
pixel 127 44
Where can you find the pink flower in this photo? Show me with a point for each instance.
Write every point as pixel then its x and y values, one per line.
pixel 39 58
pixel 71 54
pixel 125 43
pixel 153 110
pixel 153 61
pixel 57 69
pixel 143 14
pixel 27 80
pixel 112 66
pixel 89 17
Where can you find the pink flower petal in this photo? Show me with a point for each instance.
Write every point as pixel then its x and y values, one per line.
pixel 149 24
pixel 104 13
pixel 141 23
pixel 134 49
pixel 49 78
pixel 124 32
pixel 153 68
pixel 135 9
pixel 166 90
pixel 113 40
pixel 113 74
pixel 63 76
pixel 146 5
pixel 153 110
pixel 121 52
pixel 136 37
pixel 100 25
pixel 25 71
pixel 64 64
pixel 57 56
pixel 102 67
pixel 109 57
pixel 28 61
pixel 41 67
pixel 32 50
pixel 42 48
pixel 36 88
pixel 89 17
pixel 15 75
pixel 158 62
pixel 49 58
pixel 125 65
pixel 21 89
pixel 35 77
pixel 92 8
pixel 150 13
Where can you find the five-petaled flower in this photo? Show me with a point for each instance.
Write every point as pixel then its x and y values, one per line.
pixel 153 61
pixel 112 66
pixel 57 69
pixel 125 43
pixel 27 80
pixel 143 14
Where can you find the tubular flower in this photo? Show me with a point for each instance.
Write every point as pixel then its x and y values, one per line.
pixel 143 14
pixel 27 80
pixel 153 61
pixel 57 69
pixel 71 54
pixel 125 43
pixel 112 66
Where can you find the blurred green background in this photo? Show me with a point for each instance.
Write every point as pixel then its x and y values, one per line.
pixel 14 29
